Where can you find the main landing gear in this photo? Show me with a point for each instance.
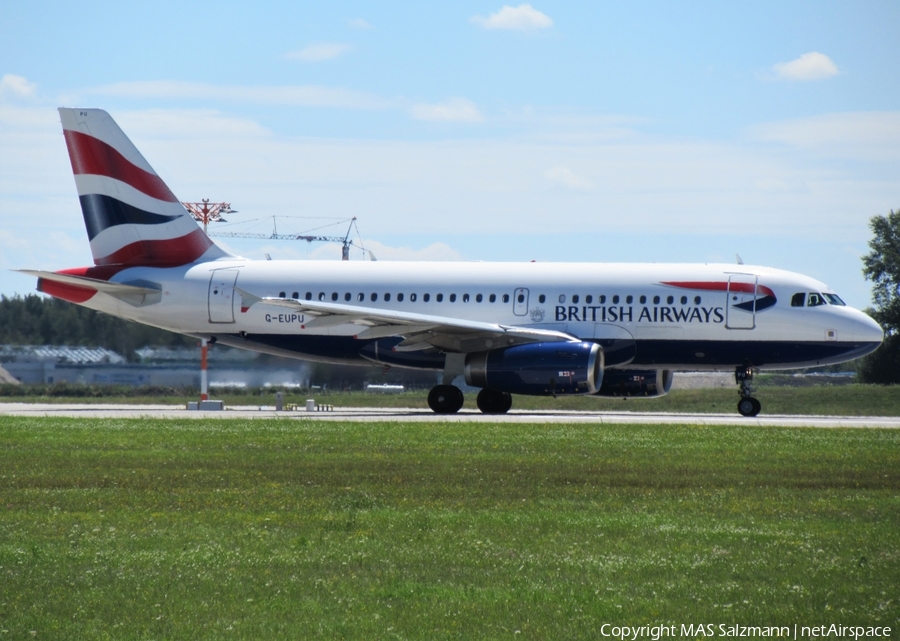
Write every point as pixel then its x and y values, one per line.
pixel 448 399
pixel 445 399
pixel 493 402
pixel 747 406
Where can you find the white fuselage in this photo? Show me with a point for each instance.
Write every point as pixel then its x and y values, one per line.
pixel 676 316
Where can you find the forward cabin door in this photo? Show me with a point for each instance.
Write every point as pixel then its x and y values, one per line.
pixel 740 307
pixel 221 295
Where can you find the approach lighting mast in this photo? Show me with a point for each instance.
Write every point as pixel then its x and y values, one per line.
pixel 204 212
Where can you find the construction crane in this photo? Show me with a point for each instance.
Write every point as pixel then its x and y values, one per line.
pixel 344 241
pixel 206 213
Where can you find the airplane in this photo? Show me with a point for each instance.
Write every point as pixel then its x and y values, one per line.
pixel 531 328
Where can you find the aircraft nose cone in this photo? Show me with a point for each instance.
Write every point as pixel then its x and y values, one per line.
pixel 867 330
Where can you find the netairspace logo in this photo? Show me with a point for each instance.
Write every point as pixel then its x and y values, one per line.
pixel 708 630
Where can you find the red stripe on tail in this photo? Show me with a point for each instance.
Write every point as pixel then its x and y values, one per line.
pixel 92 156
pixel 160 253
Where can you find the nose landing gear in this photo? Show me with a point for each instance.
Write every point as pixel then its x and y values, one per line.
pixel 747 406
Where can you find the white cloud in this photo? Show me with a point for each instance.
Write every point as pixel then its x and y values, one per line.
pixel 11 84
pixel 184 123
pixel 294 95
pixel 319 51
pixel 521 18
pixel 454 110
pixel 359 23
pixel 565 177
pixel 434 251
pixel 809 66
pixel 860 135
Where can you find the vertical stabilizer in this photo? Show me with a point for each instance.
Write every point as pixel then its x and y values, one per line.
pixel 132 217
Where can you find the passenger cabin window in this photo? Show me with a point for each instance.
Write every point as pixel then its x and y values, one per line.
pixel 334 295
pixel 562 298
pixel 387 297
pixel 374 297
pixel 493 298
pixel 588 299
pixel 815 300
pixel 575 299
pixel 798 300
pixel 465 298
pixel 541 299
pixel 601 299
pixel 615 299
pixel 696 300
pixel 452 298
pixel 505 298
pixel 643 299
pixel 295 295
pixel 684 300
pixel 347 297
pixel 399 298
pixel 280 294
pixel 360 297
pixel 439 298
pixel 656 300
pixel 426 297
pixel 479 298
pixel 308 296
pixel 670 300
pixel 321 295
pixel 412 298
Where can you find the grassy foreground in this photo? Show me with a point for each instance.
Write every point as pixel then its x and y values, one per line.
pixel 290 529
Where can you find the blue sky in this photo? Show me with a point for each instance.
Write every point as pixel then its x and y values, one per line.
pixel 640 131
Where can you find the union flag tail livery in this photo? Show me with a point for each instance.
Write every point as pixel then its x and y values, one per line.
pixel 542 329
pixel 132 217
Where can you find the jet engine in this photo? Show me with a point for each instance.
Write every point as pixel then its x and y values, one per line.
pixel 633 382
pixel 538 369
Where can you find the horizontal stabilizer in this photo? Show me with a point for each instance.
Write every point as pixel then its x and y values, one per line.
pixel 136 295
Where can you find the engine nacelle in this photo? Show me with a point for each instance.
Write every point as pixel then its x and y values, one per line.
pixel 538 369
pixel 633 382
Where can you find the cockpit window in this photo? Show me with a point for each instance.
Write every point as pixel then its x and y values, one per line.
pixel 815 300
pixel 834 299
pixel 798 300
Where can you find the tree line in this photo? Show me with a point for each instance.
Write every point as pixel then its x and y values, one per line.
pixel 39 320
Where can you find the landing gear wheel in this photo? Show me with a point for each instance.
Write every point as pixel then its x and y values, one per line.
pixel 749 406
pixel 445 399
pixel 493 402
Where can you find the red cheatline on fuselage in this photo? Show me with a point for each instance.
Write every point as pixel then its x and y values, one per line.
pixel 723 286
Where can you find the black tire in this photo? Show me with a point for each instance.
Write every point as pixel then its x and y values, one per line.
pixel 749 406
pixel 445 399
pixel 757 406
pixel 493 402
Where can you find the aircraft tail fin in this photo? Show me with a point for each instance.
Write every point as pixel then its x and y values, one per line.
pixel 132 217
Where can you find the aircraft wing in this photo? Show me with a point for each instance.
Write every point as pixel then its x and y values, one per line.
pixel 419 331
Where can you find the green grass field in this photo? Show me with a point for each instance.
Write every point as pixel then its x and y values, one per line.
pixel 297 529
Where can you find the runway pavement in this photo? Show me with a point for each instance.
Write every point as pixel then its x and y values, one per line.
pixel 402 414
